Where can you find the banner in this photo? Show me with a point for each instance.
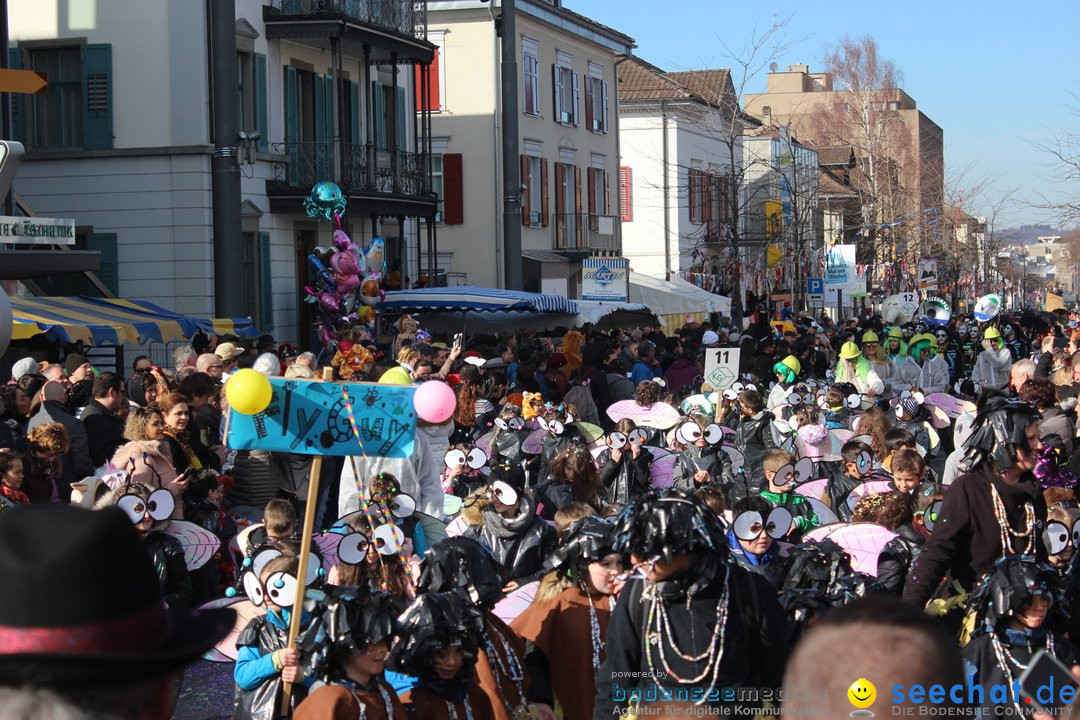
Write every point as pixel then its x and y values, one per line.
pixel 312 418
pixel 841 272
pixel 1054 302
pixel 605 279
pixel 37 230
pixel 928 274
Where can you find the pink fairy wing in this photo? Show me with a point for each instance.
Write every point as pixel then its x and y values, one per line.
pixel 199 543
pixel 823 512
pixel 938 417
pixel 874 487
pixel 515 603
pixel 820 533
pixel 952 406
pixel 484 444
pixel 533 443
pixel 816 489
pixel 225 650
pixel 660 415
pixel 864 542
pixel 327 543
pixel 457 527
pixel 662 470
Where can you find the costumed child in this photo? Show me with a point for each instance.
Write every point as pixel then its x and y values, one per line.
pixel 464 469
pixel 624 464
pixel 204 502
pixel 279 525
pixel 911 416
pixel 574 478
pixel 440 636
pixel 702 461
pixel 560 436
pixel 1013 608
pixel 462 565
pixel 754 532
pixel 373 566
pixel 509 433
pixel 150 511
pixel 349 653
pixel 837 413
pixel 753 438
pixel 263 660
pixel 783 473
pixel 567 621
pixel 688 619
pixel 787 372
pixel 11 477
pixel 908 470
pixel 893 511
pixel 857 463
pixel 511 530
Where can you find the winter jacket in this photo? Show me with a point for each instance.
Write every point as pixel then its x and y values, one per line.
pixel 643 371
pixel 257 479
pixel 521 553
pixel 626 479
pixel 755 639
pixel 417 476
pixel 148 462
pixel 620 387
pixel 104 432
pixel 258 683
pixel 992 368
pixel 168 557
pixel 917 427
pixel 1056 422
pixel 710 458
pixel 967 538
pixel 801 511
pixel 76 462
pixel 552 445
pixel 554 495
pixel 897 557
pixel 753 438
pixel 757 564
pixel 934 375
pixel 778 395
pixel 683 374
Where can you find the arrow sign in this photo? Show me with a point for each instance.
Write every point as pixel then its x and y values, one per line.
pixel 25 82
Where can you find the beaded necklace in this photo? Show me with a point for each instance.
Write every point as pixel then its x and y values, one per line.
pixel 1005 659
pixel 1006 530
pixel 505 665
pixel 658 625
pixel 385 696
pixel 594 631
pixel 452 712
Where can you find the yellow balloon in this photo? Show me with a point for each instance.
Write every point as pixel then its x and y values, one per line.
pixel 248 392
pixel 396 376
pixel 774 254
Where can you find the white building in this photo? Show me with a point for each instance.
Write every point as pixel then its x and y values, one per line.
pixel 681 147
pixel 122 140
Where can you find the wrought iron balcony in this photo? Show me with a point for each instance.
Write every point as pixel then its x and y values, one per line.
pixel 585 232
pixel 365 169
pixel 407 18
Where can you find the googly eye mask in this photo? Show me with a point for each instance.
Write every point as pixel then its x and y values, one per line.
pixel 280 587
pixel 159 506
pixel 749 525
pixel 616 440
pixel 864 463
pixel 556 427
pixel 791 475
pixel 637 436
pixel 504 493
pixel 932 515
pixel 1056 537
pixel 689 432
pixel 733 392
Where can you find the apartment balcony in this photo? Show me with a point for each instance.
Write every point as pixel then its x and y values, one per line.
pixel 585 233
pixel 389 30
pixel 382 182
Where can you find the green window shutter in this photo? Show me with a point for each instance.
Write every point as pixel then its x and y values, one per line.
pixel 105 243
pixel 97 91
pixel 402 133
pixel 324 127
pixel 379 115
pixel 262 125
pixel 18 105
pixel 292 127
pixel 265 321
pixel 354 113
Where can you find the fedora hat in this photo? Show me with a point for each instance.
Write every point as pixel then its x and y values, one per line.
pixel 82 604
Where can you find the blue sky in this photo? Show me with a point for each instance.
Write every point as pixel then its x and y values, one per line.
pixel 995 75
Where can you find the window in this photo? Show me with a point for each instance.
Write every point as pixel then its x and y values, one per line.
pixel 258 299
pixel 533 197
pixel 75 111
pixel 566 91
pixel 567 206
pixel 437 185
pixel 530 70
pixel 596 100
pixel 598 192
pixel 626 193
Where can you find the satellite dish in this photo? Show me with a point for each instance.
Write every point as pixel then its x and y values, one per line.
pixel 987 308
pixel 772 67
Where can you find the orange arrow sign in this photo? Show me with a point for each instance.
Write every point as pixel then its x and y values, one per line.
pixel 26 82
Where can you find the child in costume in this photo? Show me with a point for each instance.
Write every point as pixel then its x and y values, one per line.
pixel 440 636
pixel 837 413
pixel 908 470
pixel 787 372
pixel 753 438
pixel 689 621
pixel 857 461
pixel 783 473
pixel 462 565
pixel 753 535
pixel 1013 608
pixel 349 650
pixel 702 461
pixel 624 465
pixel 567 621
pixel 561 435
pixel 279 525
pixel 573 478
pixel 892 510
pixel 911 416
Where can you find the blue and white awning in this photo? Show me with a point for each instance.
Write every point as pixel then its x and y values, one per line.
pixel 467 298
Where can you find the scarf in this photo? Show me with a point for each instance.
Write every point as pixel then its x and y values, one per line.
pixel 181 438
pixel 506 528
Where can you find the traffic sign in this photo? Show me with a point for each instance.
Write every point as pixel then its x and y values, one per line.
pixel 721 367
pixel 25 82
pixel 815 286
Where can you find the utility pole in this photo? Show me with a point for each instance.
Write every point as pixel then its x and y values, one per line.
pixel 511 162
pixel 224 165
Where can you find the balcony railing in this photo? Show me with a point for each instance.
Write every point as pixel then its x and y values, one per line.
pixel 404 17
pixel 586 232
pixel 365 168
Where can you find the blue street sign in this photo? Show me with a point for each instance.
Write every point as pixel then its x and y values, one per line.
pixel 815 286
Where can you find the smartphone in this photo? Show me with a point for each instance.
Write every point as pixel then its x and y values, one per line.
pixel 1043 681
pixel 459 340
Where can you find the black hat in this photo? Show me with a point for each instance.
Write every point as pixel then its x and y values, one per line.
pixel 82 604
pixel 461 562
pixel 346 620
pixel 437 620
pixel 1009 585
pixel 585 541
pixel 654 526
pixel 511 476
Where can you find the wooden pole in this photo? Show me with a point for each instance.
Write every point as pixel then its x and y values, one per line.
pixel 305 551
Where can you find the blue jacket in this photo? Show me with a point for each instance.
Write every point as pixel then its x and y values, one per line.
pixel 253 669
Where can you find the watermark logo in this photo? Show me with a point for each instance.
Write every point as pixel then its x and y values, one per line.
pixel 861 694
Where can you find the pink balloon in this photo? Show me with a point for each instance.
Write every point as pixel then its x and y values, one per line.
pixel 434 401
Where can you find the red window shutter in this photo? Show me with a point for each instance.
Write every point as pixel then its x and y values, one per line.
pixel 432 102
pixel 545 209
pixel 725 206
pixel 592 188
pixel 453 190
pixel 626 193
pixel 577 203
pixel 607 192
pixel 525 182
pixel 692 182
pixel 589 104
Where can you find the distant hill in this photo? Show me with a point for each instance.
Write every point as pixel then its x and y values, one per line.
pixel 1025 234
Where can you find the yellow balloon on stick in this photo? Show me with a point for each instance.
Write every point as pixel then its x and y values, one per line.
pixel 248 392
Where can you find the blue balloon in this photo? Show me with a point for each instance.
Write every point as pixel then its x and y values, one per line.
pixel 325 201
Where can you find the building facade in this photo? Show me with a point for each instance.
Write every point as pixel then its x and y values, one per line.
pixel 122 141
pixel 568 144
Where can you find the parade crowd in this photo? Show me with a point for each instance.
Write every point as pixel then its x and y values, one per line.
pixel 595 532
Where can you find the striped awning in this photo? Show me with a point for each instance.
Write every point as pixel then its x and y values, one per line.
pixel 469 298
pixel 112 321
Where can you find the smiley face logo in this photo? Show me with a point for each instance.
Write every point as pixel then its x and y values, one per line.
pixel 862 694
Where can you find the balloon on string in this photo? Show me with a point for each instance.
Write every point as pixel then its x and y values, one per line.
pixel 248 392
pixel 434 402
pixel 396 376
pixel 325 201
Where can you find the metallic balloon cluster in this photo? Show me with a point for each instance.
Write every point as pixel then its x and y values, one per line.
pixel 347 278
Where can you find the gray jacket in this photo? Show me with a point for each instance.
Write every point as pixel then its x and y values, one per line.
pixel 76 462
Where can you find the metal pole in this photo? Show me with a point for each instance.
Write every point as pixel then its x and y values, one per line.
pixel 667 195
pixel 225 168
pixel 6 128
pixel 512 276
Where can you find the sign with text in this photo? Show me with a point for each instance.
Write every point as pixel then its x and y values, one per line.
pixel 37 230
pixel 605 279
pixel 928 274
pixel 312 418
pixel 841 272
pixel 721 367
pixel 815 286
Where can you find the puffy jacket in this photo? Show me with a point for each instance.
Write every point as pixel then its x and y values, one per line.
pixel 992 368
pixel 627 478
pixel 257 478
pixel 522 553
pixel 104 432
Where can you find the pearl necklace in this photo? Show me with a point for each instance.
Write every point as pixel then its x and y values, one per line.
pixel 1006 529
pixel 657 625
pixel 1006 658
pixel 594 633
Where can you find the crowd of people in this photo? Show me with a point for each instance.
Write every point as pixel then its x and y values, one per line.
pixel 597 529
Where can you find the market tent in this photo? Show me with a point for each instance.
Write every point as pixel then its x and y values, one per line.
pixel 478 299
pixel 112 321
pixel 675 299
pixel 613 315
